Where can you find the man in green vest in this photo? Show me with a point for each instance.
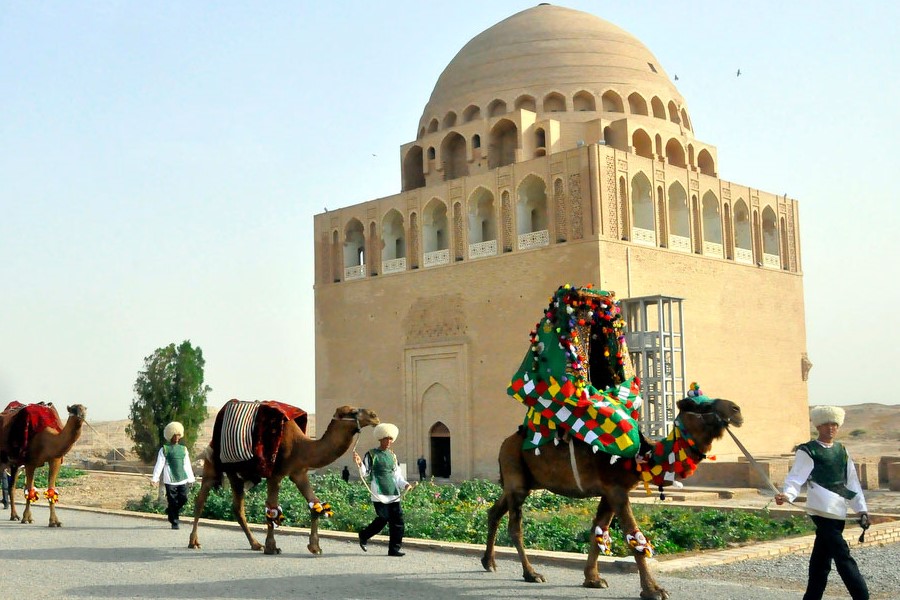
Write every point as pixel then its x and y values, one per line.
pixel 386 487
pixel 830 476
pixel 174 465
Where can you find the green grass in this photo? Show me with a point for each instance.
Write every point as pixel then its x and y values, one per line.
pixel 459 513
pixel 66 476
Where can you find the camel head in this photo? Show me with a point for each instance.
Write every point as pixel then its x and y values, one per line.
pixel 363 416
pixel 78 411
pixel 710 417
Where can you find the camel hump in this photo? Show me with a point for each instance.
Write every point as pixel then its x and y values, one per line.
pixel 26 421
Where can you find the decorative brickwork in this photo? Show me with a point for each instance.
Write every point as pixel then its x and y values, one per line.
pixel 414 241
pixel 624 225
pixel 373 254
pixel 792 245
pixel 337 258
pixel 458 241
pixel 610 197
pixel 506 217
pixel 559 199
pixel 435 318
pixel 577 208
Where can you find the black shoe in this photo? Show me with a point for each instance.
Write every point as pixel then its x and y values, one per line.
pixel 362 543
pixel 175 525
pixel 396 553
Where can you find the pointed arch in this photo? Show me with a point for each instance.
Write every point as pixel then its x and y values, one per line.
pixel 471 113
pixel 612 102
pixel 642 144
pixel 675 153
pixel 705 163
pixel 433 125
pixel 771 240
pixel 354 249
pixel 496 108
pixel 554 102
pixel 679 219
pixel 743 238
pixel 482 216
pixel 659 110
pixel 453 156
pixel 440 444
pixel 584 101
pixel 503 145
pixel 685 120
pixel 712 224
pixel 449 120
pixel 531 207
pixel 393 234
pixel 413 169
pixel 526 102
pixel 643 227
pixel 636 104
pixel 673 112
pixel 435 230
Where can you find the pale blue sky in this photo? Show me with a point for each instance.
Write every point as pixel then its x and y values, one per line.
pixel 161 162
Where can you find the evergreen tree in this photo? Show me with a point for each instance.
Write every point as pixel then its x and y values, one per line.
pixel 170 388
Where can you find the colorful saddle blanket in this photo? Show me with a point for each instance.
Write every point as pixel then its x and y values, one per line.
pixel 237 431
pixel 267 430
pixel 24 422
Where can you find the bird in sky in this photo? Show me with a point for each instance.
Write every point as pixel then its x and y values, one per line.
pixel 739 73
pixel 676 76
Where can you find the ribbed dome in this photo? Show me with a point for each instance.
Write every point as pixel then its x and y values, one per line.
pixel 547 49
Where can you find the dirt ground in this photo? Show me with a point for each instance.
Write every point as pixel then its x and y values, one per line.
pixel 104 490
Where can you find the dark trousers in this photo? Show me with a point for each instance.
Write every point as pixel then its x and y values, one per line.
pixel 6 484
pixel 176 498
pixel 390 515
pixel 830 545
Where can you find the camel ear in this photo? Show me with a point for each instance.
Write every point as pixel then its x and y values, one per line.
pixel 686 405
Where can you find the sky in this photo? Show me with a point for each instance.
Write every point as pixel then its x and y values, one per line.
pixel 161 163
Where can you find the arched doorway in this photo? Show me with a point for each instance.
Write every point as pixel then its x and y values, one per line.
pixel 440 451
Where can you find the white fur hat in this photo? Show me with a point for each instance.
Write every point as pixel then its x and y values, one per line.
pixel 386 430
pixel 827 414
pixel 173 428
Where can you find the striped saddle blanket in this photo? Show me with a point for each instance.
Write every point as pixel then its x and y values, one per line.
pixel 236 443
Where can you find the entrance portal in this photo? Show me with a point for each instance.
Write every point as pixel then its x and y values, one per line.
pixel 440 450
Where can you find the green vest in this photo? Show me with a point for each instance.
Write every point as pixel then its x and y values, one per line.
pixel 175 454
pixel 383 464
pixel 829 467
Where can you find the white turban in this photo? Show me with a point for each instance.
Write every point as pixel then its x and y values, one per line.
pixel 173 428
pixel 827 414
pixel 386 430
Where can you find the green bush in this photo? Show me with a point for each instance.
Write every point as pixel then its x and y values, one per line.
pixel 66 476
pixel 459 513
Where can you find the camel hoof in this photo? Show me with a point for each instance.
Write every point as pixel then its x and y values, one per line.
pixel 597 584
pixel 194 544
pixel 272 551
pixel 659 594
pixel 57 524
pixel 534 578
pixel 314 549
pixel 489 564
pixel 256 546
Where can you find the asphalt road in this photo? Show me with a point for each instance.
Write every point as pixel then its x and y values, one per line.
pixel 97 555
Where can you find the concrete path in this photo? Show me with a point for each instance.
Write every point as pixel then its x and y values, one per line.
pixel 112 554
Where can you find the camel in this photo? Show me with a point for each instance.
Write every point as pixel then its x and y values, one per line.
pixel 48 445
pixel 554 467
pixel 296 454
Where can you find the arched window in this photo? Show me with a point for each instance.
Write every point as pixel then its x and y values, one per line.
pixel 431 153
pixel 583 101
pixel 413 173
pixel 540 138
pixel 644 229
pixel 476 141
pixel 636 104
pixel 496 108
pixel 450 119
pixel 675 153
pixel 659 111
pixel 679 219
pixel 504 142
pixel 433 126
pixel 471 113
pixel 482 219
pixel 439 437
pixel 705 163
pixel 642 144
pixel 354 248
pixel 673 112
pixel 393 235
pixel 743 240
pixel 531 208
pixel 612 102
pixel 685 120
pixel 453 155
pixel 526 103
pixel 712 225
pixel 554 102
pixel 435 232
pixel 770 238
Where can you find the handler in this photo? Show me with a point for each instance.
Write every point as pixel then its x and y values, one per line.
pixel 827 469
pixel 386 486
pixel 174 465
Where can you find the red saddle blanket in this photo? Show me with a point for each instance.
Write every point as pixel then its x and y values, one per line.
pixel 22 423
pixel 267 432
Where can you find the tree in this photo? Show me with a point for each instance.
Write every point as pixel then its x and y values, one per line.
pixel 170 388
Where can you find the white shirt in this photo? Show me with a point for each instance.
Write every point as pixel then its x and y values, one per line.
pixel 161 468
pixel 373 489
pixel 820 501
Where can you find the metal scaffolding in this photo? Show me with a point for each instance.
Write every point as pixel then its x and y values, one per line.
pixel 655 338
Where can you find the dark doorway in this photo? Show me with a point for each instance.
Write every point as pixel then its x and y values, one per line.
pixel 440 451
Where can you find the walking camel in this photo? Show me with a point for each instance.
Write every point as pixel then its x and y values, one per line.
pixel 30 436
pixel 291 456
pixel 522 471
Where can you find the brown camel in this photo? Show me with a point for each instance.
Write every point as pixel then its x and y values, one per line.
pixel 554 467
pixel 296 454
pixel 49 445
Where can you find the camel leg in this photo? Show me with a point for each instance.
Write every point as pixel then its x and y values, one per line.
pixel 237 506
pixel 273 484
pixel 199 503
pixel 602 519
pixel 495 513
pixel 514 527
pixel 29 484
pixel 301 480
pixel 650 590
pixel 55 465
pixel 13 514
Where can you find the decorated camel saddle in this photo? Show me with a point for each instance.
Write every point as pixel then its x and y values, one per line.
pixel 21 422
pixel 247 435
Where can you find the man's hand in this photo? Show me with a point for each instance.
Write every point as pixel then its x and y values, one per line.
pixel 357 459
pixel 864 521
pixel 780 499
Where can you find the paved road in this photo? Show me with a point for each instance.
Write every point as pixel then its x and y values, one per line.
pixel 97 555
